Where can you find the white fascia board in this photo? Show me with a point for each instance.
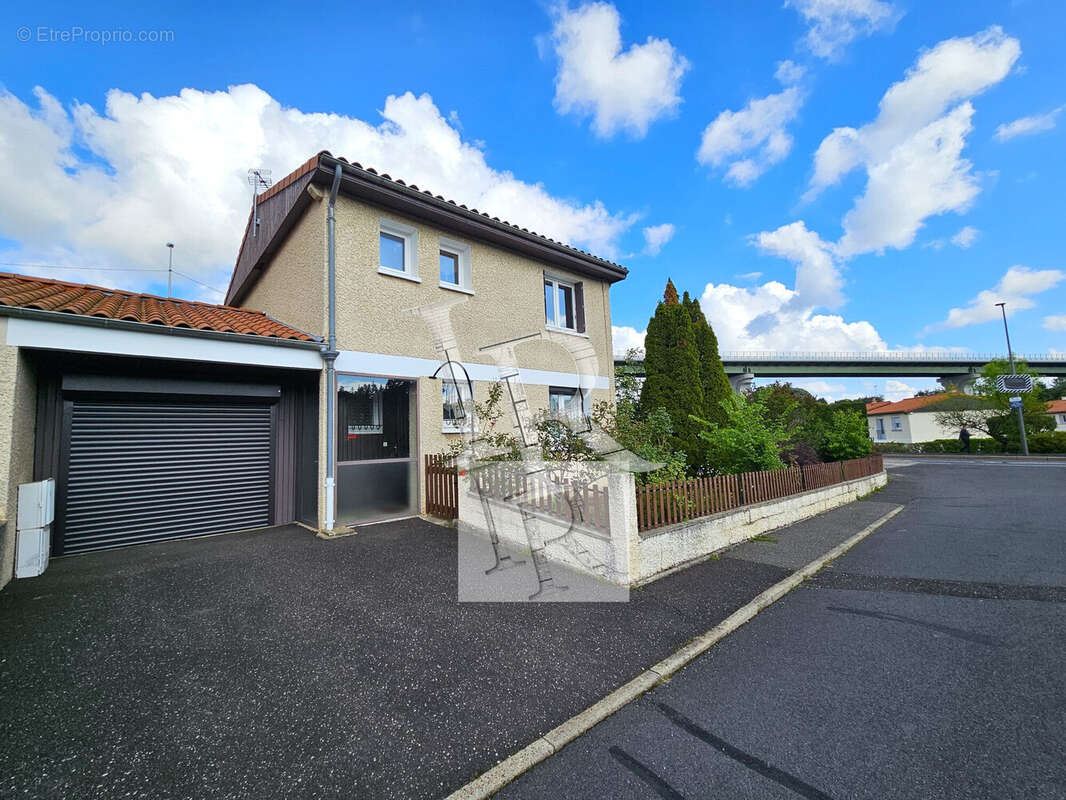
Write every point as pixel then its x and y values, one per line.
pixel 412 367
pixel 50 335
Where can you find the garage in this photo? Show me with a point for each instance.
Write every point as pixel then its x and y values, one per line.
pixel 170 468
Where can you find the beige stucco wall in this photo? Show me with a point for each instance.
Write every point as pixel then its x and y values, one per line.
pixel 293 289
pixel 18 404
pixel 507 302
pixel 508 298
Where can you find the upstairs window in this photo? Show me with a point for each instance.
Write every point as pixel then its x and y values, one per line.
pixel 455 265
pixel 397 250
pixel 392 251
pixel 563 304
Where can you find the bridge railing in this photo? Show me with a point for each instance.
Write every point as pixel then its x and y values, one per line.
pixel 883 355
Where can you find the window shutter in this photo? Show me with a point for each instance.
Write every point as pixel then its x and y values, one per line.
pixel 579 303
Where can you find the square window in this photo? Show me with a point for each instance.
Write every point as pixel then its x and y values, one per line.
pixel 565 403
pixel 393 251
pixel 449 267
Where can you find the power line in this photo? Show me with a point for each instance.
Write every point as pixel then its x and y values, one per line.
pixel 196 280
pixel 111 269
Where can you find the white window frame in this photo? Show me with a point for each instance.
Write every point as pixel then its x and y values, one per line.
pixel 897 423
pixel 578 396
pixel 462 253
pixel 454 426
pixel 879 428
pixel 556 282
pixel 410 249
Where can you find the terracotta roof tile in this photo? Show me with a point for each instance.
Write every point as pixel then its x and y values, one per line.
pixel 45 294
pixel 1056 407
pixel 907 405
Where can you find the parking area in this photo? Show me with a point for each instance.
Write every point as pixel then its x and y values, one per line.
pixel 274 663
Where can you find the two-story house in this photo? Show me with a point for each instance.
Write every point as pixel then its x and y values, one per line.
pixel 417 280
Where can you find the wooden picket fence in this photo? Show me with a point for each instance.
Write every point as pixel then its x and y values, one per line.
pixel 442 486
pixel 662 504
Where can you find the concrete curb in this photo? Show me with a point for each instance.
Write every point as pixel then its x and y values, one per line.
pixel 488 783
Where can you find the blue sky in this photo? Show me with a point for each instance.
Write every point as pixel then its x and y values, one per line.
pixel 690 128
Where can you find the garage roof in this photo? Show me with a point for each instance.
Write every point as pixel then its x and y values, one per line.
pixel 45 294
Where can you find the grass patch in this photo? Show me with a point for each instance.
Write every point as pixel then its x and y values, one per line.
pixel 763 539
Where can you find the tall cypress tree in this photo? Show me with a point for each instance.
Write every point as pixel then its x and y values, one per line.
pixel 672 372
pixel 715 384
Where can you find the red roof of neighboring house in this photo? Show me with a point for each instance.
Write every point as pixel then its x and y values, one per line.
pixel 905 406
pixel 1056 407
pixel 45 294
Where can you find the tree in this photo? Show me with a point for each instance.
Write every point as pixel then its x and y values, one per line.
pixel 988 411
pixel 715 383
pixel 846 436
pixel 746 442
pixel 672 373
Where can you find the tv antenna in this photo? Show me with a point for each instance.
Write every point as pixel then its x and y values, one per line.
pixel 257 179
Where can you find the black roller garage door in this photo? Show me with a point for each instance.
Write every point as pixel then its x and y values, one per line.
pixel 146 471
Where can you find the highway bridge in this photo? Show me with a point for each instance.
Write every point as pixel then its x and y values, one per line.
pixel 954 370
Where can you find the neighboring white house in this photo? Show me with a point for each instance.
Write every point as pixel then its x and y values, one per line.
pixel 1057 409
pixel 911 420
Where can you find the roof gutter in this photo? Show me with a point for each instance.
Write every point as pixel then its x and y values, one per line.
pixel 329 353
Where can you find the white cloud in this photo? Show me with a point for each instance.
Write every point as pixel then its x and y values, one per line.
pixel 965 237
pixel 621 91
pixel 912 151
pixel 833 24
pixel 656 236
pixel 626 338
pixel 755 138
pixel 749 276
pixel 765 317
pixel 1014 289
pixel 1055 322
pixel 823 389
pixel 789 72
pixel 897 390
pixel 82 186
pixel 818 280
pixel 1026 126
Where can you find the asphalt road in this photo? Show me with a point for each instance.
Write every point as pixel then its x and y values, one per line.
pixel 928 662
pixel 275 664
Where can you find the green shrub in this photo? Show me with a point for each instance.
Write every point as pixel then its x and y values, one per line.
pixel 845 437
pixel 746 443
pixel 1047 442
pixel 938 446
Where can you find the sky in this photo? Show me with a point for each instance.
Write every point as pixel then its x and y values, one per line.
pixel 822 174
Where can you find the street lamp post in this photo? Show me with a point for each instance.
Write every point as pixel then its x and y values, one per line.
pixel 1010 355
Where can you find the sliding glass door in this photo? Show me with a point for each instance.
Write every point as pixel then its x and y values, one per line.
pixel 377 449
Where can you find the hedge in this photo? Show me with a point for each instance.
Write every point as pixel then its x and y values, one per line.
pixel 1046 442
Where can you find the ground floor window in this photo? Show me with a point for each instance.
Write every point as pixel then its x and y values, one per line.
pixel 458 406
pixel 566 403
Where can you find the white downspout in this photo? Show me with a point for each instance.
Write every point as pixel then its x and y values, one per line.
pixel 329 355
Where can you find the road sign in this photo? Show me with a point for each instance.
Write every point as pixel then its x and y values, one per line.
pixel 1015 384
pixel 1016 402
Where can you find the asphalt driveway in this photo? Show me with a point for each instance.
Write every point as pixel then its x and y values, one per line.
pixel 276 664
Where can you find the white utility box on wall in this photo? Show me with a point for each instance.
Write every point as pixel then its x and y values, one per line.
pixel 36 512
